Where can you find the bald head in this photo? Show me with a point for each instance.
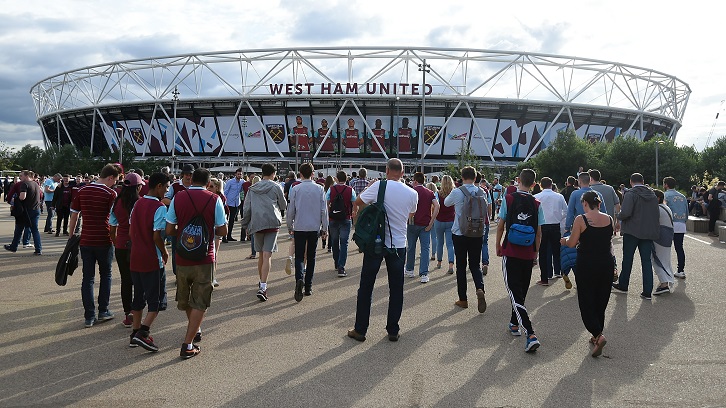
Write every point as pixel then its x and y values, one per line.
pixel 394 169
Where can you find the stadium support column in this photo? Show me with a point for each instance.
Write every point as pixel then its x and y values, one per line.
pixel 120 137
pixel 424 67
pixel 173 134
pixel 398 125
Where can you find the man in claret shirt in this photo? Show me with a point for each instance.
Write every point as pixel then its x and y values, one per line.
pixel 194 278
pixel 176 187
pixel 94 202
pixel 353 141
pixel 148 257
pixel 380 135
pixel 327 146
pixel 300 135
pixel 405 136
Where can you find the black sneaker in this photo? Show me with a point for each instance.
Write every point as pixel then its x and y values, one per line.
pixel 143 339
pixel 299 290
pixel 308 291
pixel 230 239
pixel 617 288
pixel 661 290
pixel 185 354
pixel 262 295
pixel 393 337
pixel 646 296
pixel 131 339
pixel 9 248
pixel 198 337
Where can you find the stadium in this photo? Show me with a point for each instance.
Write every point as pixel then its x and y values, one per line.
pixel 353 106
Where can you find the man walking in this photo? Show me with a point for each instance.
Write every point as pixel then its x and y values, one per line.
pixel 174 189
pixel 49 186
pixel 714 207
pixel 522 210
pixel 340 199
pixel 27 212
pixel 400 203
pixel 554 209
pixel 639 216
pixel 262 216
pixel 359 183
pixel 468 247
pixel 147 259
pixel 679 206
pixel 94 201
pixel 194 277
pixel 307 218
pixel 419 228
pixel 233 191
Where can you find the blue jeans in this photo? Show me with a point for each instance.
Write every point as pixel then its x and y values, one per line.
pixel 645 248
pixel 104 257
pixel 413 234
pixel 442 230
pixel 371 266
pixel 339 235
pixel 434 241
pixel 24 230
pixel 49 219
pixel 485 247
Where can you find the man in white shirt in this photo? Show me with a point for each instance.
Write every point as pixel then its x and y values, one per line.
pixel 555 211
pixel 400 202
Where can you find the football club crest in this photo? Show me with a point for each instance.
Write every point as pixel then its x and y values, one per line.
pixel 430 132
pixel 137 135
pixel 277 132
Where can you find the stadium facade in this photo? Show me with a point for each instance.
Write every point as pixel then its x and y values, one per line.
pixel 354 104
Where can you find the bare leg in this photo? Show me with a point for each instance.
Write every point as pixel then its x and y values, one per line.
pixel 195 321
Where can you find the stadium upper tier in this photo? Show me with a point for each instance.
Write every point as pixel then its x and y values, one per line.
pixel 355 102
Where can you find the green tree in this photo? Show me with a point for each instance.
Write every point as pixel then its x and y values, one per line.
pixel 465 156
pixel 28 158
pixel 562 158
pixel 713 158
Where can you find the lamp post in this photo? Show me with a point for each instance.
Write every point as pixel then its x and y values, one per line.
pixel 398 126
pixel 657 144
pixel 120 138
pixel 244 150
pixel 424 67
pixel 173 134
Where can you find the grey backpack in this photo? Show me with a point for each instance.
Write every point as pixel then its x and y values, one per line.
pixel 473 217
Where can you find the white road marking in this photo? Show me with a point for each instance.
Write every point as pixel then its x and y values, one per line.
pixel 699 240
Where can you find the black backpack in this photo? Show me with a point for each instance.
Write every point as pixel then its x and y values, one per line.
pixel 338 210
pixel 193 241
pixel 522 220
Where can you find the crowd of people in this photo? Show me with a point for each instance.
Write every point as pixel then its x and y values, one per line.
pixel 143 221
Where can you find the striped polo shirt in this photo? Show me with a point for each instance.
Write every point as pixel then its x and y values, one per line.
pixel 94 202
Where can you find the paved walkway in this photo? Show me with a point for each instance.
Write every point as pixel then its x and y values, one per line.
pixel 665 352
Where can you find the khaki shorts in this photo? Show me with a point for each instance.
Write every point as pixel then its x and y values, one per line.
pixel 194 286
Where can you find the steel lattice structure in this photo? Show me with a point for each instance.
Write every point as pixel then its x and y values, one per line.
pixel 494 102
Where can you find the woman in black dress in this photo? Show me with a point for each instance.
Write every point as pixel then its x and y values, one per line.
pixel 594 231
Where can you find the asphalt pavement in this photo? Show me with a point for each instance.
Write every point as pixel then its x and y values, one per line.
pixel 666 352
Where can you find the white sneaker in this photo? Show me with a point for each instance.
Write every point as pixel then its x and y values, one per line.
pixel 681 275
pixel 288 265
pixel 215 283
pixel 28 246
pixel 409 274
pixel 424 278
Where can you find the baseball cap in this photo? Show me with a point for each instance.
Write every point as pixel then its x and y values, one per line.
pixel 133 179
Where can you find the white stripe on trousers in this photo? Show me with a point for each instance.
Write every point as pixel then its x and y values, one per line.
pixel 515 305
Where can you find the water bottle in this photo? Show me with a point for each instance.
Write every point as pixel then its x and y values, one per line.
pixel 378 248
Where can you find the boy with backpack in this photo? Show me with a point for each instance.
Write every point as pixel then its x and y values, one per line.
pixel 399 202
pixel 195 251
pixel 471 217
pixel 340 200
pixel 521 217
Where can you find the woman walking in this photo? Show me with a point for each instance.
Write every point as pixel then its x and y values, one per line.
pixel 443 223
pixel 661 257
pixel 594 231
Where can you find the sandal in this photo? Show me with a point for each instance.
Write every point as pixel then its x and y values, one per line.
pixel 599 344
pixel 252 257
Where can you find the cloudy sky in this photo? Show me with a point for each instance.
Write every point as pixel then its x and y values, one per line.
pixel 39 39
